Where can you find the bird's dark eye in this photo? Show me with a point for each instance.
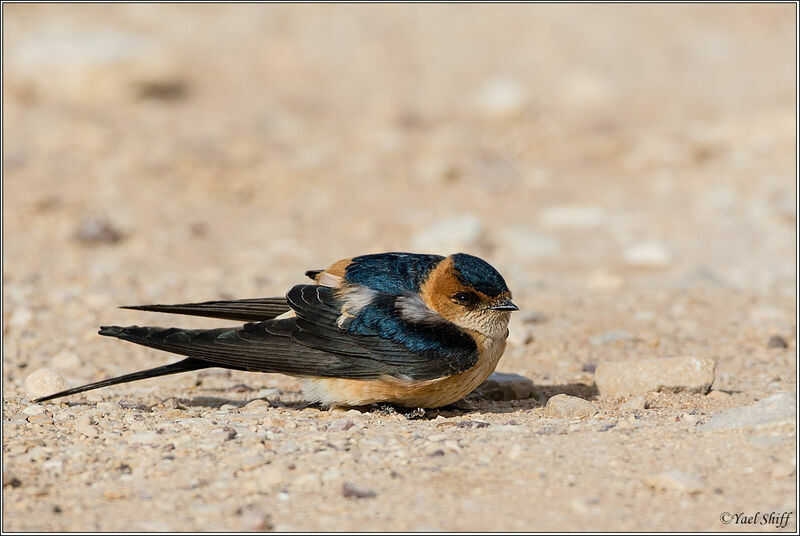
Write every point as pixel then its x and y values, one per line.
pixel 465 298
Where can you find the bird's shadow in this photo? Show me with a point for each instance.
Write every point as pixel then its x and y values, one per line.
pixel 473 403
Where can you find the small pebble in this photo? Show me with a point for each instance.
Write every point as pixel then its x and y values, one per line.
pixel 97 231
pixel 10 479
pixel 566 407
pixel 612 336
pixel 43 382
pixel 40 418
pixel 647 255
pixel 501 98
pixel 776 341
pixel 20 317
pixel 106 407
pixel 341 425
pixel 350 491
pixel 783 470
pixel 33 410
pixel 604 281
pixel 84 426
pixel 256 406
pixel 634 403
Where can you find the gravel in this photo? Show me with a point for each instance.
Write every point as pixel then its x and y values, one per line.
pixel 260 141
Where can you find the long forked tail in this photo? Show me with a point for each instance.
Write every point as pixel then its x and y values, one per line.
pixel 174 368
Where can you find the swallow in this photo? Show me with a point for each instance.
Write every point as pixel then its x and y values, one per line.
pixel 413 330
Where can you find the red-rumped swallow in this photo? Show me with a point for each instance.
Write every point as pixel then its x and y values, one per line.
pixel 399 328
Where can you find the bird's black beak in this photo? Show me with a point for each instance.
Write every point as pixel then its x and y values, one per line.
pixel 504 305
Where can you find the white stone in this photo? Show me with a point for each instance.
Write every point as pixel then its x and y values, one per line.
pixel 648 255
pixel 778 408
pixel 566 407
pixel 43 382
pixel 33 410
pixel 671 374
pixel 502 98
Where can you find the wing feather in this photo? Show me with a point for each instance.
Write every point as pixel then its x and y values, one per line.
pixel 248 310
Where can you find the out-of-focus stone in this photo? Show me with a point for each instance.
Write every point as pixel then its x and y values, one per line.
pixel 532 317
pixel 519 333
pixel 572 217
pixel 450 235
pixel 10 479
pixel 341 425
pixel 776 341
pixel 602 280
pixel 647 255
pixel 43 382
pixel 66 360
pixel 351 491
pixel 670 374
pixel 634 403
pixel 612 336
pixel 502 98
pixel 33 410
pixel 567 407
pixel 775 409
pixel 256 406
pixel 527 243
pixel 674 480
pixel 248 463
pixel 269 475
pixel 97 231
pixel 504 386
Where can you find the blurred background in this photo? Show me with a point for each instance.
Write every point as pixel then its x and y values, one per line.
pixel 590 152
pixel 630 170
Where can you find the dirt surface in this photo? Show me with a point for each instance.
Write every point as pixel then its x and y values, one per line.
pixel 629 169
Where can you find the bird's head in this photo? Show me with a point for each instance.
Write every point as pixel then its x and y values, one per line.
pixel 470 293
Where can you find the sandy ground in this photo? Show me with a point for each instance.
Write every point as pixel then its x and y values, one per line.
pixel 629 169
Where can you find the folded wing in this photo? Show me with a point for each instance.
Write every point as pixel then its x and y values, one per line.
pixel 374 343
